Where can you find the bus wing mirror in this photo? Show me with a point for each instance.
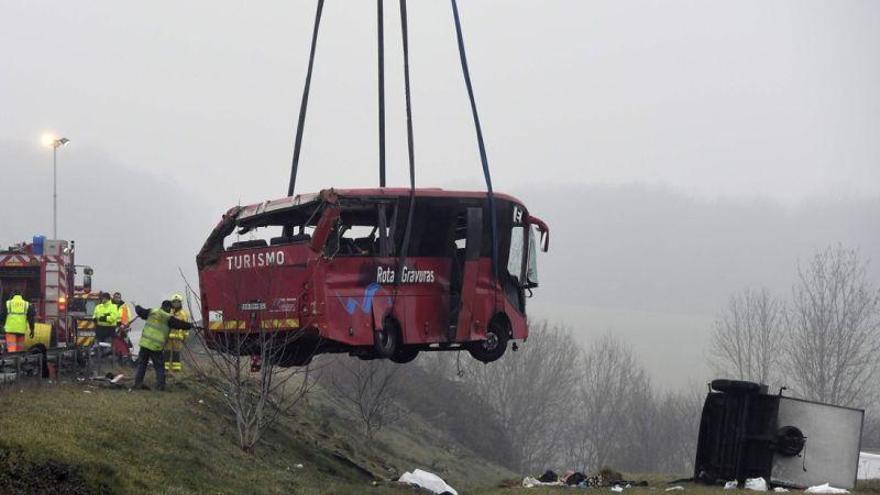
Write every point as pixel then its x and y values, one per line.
pixel 543 229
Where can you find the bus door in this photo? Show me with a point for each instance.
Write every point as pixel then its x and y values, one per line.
pixel 468 262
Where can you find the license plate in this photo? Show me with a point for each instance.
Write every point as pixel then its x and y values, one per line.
pixel 252 306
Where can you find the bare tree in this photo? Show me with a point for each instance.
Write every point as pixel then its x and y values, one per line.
pixel 248 364
pixel 371 388
pixel 748 336
pixel 835 330
pixel 612 386
pixel 532 392
pixel 677 429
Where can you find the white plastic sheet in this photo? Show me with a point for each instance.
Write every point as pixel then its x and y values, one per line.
pixel 674 488
pixel 756 484
pixel 869 466
pixel 617 488
pixel 731 485
pixel 428 481
pixel 529 482
pixel 826 488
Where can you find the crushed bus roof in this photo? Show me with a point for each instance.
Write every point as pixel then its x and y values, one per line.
pixel 373 193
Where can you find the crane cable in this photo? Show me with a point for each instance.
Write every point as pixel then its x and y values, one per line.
pixel 485 162
pixel 380 32
pixel 297 146
pixel 409 127
pixel 411 151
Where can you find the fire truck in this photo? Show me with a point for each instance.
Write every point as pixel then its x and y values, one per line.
pixel 44 271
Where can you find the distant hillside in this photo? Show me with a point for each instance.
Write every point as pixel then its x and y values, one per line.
pixel 654 266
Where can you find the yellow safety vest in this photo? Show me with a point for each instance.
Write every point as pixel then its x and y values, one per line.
pixel 109 309
pixel 177 333
pixel 155 330
pixel 16 315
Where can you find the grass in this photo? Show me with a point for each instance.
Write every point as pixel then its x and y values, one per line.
pixel 75 438
pixel 97 440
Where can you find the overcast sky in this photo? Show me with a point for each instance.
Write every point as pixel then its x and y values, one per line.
pixel 780 98
pixel 722 132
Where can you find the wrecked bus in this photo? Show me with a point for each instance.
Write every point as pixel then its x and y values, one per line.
pixel 341 271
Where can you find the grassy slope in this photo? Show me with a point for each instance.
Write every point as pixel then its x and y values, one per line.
pixel 112 441
pixel 144 442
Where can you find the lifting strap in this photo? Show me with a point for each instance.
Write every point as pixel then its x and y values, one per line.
pixel 410 147
pixel 380 22
pixel 483 159
pixel 297 145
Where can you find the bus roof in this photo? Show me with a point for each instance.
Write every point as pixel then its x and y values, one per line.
pixel 379 192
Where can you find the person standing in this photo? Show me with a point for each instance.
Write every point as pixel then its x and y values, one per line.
pixel 177 337
pixel 159 323
pixel 106 317
pixel 121 344
pixel 17 317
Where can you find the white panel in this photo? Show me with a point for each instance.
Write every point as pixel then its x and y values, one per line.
pixel 51 293
pixel 52 278
pixel 51 309
pixel 52 248
pixel 51 266
pixel 831 452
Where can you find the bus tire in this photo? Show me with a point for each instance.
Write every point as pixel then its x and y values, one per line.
pixel 405 354
pixel 386 340
pixel 497 336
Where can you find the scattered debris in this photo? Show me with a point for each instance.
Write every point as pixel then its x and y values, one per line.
pixel 428 481
pixel 780 489
pixel 731 485
pixel 825 488
pixel 298 466
pixel 674 488
pixel 756 484
pixel 548 477
pixel 529 482
pixel 573 478
pixel 87 391
pixel 605 478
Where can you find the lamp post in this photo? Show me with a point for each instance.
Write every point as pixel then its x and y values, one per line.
pixel 55 143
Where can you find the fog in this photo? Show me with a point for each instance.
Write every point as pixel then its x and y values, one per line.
pixel 680 151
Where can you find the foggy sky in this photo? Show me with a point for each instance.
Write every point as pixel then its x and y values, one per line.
pixel 178 110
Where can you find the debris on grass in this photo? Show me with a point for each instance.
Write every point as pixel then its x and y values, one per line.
pixel 756 484
pixel 825 488
pixel 428 481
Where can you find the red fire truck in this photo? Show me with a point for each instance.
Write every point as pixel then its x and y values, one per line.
pixel 44 272
pixel 376 273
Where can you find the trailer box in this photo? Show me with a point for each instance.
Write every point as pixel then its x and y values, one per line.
pixel 747 433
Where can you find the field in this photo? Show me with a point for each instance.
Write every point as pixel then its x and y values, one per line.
pixel 78 438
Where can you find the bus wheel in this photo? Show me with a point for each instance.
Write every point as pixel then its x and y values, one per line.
pixel 405 354
pixel 495 344
pixel 386 340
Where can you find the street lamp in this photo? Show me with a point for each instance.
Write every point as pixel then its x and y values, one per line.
pixel 55 143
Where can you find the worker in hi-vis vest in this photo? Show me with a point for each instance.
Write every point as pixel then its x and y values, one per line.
pixel 159 323
pixel 106 316
pixel 177 337
pixel 121 344
pixel 17 317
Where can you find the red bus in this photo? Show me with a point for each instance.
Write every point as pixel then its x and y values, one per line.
pixel 341 271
